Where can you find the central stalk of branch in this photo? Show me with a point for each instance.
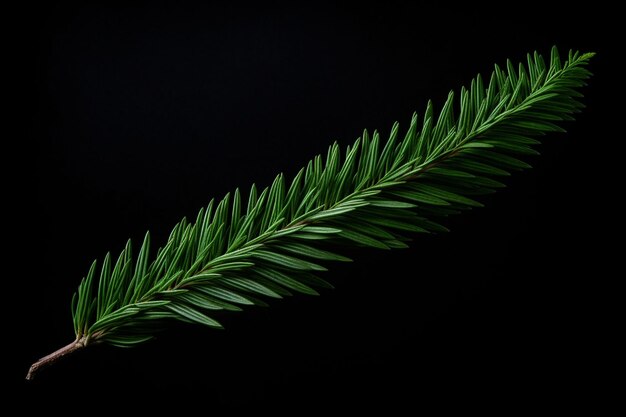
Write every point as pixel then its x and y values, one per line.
pixel 55 356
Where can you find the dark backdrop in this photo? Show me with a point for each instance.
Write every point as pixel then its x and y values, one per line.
pixel 139 114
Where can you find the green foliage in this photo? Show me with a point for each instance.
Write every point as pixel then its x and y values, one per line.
pixel 242 251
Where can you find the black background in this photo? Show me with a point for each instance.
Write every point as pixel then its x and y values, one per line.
pixel 137 115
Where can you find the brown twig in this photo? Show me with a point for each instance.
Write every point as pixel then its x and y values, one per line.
pixel 55 356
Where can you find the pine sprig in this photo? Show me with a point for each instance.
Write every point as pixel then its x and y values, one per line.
pixel 243 251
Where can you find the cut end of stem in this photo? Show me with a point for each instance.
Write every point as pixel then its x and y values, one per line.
pixel 54 356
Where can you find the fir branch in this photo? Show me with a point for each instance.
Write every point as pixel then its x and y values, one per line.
pixel 241 251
